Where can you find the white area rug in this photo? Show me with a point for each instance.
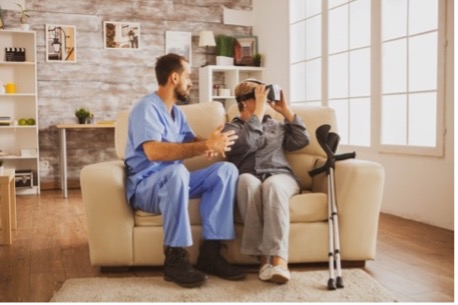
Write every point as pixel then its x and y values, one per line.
pixel 306 286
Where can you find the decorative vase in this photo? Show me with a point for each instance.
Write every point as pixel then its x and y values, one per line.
pixel 224 61
pixel 81 120
pixel 2 167
pixel 25 27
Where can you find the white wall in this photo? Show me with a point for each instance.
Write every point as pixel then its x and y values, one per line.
pixel 417 188
pixel 271 26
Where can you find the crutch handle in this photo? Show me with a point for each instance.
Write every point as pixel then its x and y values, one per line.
pixel 326 166
pixel 329 142
pixel 350 155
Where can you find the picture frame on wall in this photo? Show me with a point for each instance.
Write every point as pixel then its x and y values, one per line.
pixel 121 35
pixel 244 49
pixel 179 43
pixel 60 43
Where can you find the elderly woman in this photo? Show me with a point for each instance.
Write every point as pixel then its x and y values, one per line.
pixel 266 181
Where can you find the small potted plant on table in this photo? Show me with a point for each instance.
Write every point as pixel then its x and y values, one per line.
pixel 83 115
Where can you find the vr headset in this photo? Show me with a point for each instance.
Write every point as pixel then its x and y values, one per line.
pixel 274 94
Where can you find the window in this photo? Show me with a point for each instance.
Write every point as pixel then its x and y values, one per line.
pixel 409 45
pixel 377 63
pixel 349 49
pixel 306 54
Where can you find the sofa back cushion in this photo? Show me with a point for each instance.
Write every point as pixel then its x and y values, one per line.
pixel 314 117
pixel 203 118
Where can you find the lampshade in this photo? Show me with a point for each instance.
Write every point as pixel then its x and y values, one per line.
pixel 207 39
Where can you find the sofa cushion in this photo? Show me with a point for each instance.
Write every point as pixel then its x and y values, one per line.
pixel 308 207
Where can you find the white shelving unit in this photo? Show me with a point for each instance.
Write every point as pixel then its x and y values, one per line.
pixel 229 76
pixel 19 144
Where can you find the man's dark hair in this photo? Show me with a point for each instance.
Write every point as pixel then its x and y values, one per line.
pixel 166 65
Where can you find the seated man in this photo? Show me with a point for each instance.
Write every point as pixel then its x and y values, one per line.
pixel 159 138
pixel 266 180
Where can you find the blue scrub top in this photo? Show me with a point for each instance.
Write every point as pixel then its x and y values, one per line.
pixel 150 121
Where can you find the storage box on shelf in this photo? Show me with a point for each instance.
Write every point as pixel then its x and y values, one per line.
pixel 225 77
pixel 19 128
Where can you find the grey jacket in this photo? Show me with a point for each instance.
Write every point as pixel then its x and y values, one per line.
pixel 259 150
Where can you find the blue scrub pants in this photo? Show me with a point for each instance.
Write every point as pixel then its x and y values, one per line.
pixel 167 192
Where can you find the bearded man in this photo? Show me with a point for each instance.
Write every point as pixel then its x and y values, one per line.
pixel 159 139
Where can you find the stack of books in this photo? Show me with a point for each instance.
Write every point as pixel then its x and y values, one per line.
pixel 5 120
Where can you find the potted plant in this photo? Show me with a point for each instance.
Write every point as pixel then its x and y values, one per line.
pixel 23 15
pixel 257 59
pixel 83 115
pixel 224 50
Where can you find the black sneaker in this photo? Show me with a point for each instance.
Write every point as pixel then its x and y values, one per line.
pixel 210 261
pixel 179 270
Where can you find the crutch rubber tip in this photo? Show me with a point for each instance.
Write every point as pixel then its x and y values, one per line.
pixel 339 282
pixel 332 284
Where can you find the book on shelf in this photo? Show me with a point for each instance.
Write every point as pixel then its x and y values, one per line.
pixel 5 120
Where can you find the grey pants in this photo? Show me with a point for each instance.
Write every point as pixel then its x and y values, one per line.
pixel 264 209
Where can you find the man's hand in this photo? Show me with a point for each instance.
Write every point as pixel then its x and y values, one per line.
pixel 220 142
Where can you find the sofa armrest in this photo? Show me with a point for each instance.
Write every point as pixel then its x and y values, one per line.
pixel 359 188
pixel 110 219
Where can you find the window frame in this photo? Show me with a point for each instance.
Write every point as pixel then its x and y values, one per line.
pixel 439 148
pixel 376 83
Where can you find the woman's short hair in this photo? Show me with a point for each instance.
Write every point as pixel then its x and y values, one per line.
pixel 243 88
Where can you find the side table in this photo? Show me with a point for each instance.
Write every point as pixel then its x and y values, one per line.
pixel 63 146
pixel 8 205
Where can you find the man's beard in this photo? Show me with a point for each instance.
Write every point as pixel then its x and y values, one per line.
pixel 182 96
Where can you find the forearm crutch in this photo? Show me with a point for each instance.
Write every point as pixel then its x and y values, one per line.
pixel 329 142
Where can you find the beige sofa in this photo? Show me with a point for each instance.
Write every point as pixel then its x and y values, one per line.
pixel 119 236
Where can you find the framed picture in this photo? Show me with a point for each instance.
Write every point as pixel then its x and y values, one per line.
pixel 60 43
pixel 179 43
pixel 121 35
pixel 244 49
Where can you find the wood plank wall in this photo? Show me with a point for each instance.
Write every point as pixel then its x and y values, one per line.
pixel 106 81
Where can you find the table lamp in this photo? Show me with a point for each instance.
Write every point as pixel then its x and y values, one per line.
pixel 206 39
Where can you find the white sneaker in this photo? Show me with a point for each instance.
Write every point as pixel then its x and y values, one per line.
pixel 265 273
pixel 279 274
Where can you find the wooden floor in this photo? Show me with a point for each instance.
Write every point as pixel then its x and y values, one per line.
pixel 415 262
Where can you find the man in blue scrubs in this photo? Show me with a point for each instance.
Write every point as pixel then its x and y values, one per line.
pixel 159 138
